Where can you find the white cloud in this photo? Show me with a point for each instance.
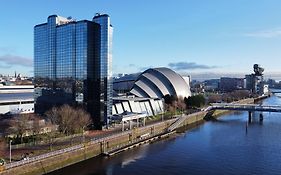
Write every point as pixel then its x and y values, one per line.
pixel 273 33
pixel 189 66
pixel 16 60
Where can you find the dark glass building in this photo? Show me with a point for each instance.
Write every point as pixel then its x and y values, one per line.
pixel 72 65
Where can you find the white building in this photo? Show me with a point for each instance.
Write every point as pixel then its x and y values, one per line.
pixel 147 106
pixel 158 82
pixel 16 106
pixel 16 99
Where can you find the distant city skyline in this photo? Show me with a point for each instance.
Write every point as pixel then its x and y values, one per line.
pixel 191 37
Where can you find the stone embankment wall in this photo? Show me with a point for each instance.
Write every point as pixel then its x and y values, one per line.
pixel 89 150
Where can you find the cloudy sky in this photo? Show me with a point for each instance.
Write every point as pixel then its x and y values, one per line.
pixel 189 36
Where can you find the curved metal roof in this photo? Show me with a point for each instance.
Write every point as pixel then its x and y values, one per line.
pixel 163 80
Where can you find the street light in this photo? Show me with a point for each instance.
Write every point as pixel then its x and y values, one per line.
pixel 10 151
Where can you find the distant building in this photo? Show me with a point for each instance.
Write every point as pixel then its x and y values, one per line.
pixel 265 89
pixel 251 83
pixel 228 84
pixel 255 82
pixel 211 85
pixel 16 89
pixel 72 65
pixel 271 83
pixel 197 87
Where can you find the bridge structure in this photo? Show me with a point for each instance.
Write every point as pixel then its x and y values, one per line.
pixel 245 107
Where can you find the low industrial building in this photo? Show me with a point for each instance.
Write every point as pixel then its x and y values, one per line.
pixel 16 99
pixel 16 106
pixel 228 84
pixel 16 89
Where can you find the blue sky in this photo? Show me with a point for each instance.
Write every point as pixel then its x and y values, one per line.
pixel 190 36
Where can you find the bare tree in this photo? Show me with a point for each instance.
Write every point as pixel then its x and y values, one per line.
pixel 3 147
pixel 36 125
pixel 181 104
pixel 214 98
pixel 69 119
pixel 52 115
pixel 83 119
pixel 19 126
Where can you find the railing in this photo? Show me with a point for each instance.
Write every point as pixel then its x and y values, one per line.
pixel 182 119
pixel 248 107
pixel 76 147
pixel 43 156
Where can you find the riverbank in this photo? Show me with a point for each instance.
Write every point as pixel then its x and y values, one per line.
pixel 216 147
pixel 58 159
pixel 105 145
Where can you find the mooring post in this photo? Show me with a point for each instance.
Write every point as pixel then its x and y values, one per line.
pixel 261 117
pixel 249 117
pixel 246 127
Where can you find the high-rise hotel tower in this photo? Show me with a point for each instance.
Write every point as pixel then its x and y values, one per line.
pixel 73 65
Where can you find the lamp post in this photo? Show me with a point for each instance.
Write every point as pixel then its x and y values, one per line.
pixel 83 133
pixel 10 151
pixel 163 112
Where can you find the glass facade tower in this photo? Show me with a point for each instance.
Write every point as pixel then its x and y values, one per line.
pixel 72 65
pixel 106 62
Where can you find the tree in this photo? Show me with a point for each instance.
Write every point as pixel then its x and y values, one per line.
pixel 36 125
pixel 52 115
pixel 3 147
pixel 181 104
pixel 69 120
pixel 214 98
pixel 169 99
pixel 19 125
pixel 84 119
pixel 235 95
pixel 195 101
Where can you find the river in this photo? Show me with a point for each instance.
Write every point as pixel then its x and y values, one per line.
pixel 215 147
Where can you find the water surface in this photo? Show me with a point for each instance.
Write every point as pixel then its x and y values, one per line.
pixel 216 147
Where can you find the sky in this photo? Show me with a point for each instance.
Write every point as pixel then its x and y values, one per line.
pixel 194 37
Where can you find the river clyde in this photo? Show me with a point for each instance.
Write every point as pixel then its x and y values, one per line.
pixel 223 146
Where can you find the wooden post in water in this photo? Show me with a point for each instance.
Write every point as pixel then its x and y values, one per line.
pixel 246 127
pixel 261 117
pixel 249 117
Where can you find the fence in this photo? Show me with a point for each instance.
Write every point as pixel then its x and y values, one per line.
pixel 76 147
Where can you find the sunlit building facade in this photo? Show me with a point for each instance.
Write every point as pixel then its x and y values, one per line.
pixel 106 63
pixel 158 82
pixel 72 65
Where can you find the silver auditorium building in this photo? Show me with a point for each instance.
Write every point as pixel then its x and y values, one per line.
pixel 144 93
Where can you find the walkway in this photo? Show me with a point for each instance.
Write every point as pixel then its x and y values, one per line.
pixel 244 107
